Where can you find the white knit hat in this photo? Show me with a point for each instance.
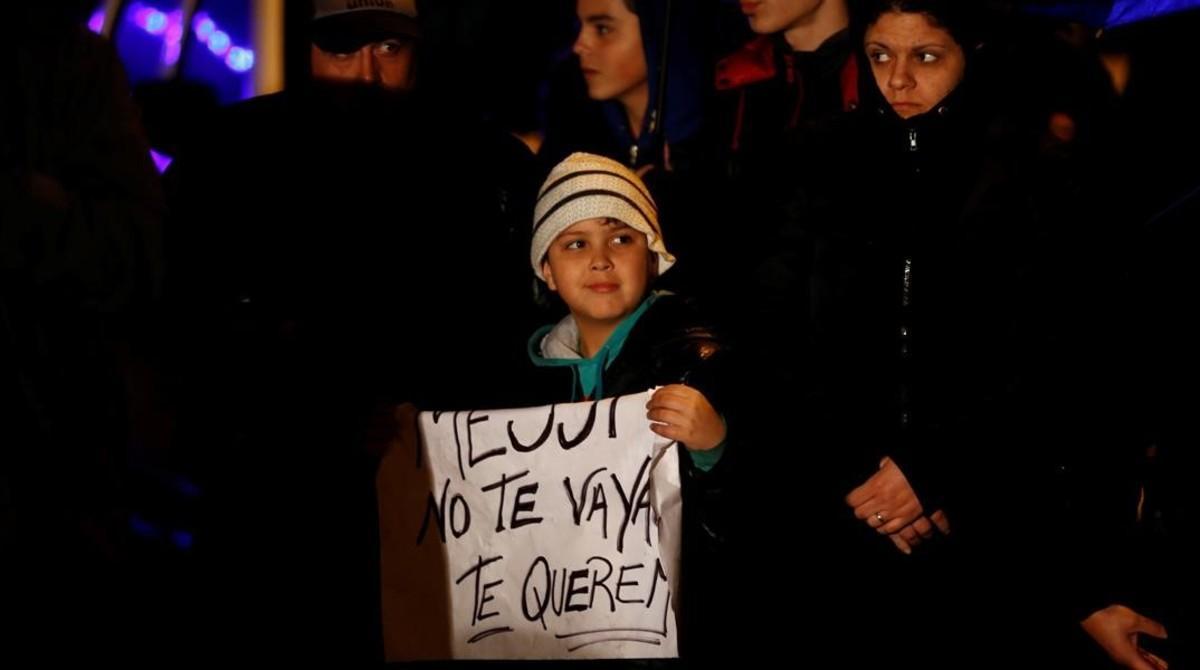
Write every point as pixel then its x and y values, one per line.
pixel 587 186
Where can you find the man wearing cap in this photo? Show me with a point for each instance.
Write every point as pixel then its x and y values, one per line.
pixel 369 42
pixel 317 235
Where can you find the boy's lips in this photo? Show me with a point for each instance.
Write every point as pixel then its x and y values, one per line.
pixel 602 287
pixel 749 7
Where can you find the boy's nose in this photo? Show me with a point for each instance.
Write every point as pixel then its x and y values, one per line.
pixel 601 261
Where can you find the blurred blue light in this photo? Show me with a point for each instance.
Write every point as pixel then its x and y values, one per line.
pixel 1128 11
pixel 182 539
pixel 204 26
pixel 141 527
pixel 170 27
pixel 96 22
pixel 156 22
pixel 219 43
pixel 240 60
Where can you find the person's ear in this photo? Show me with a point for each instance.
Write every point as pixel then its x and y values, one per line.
pixel 549 275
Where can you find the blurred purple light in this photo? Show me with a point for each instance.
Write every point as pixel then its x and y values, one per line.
pixel 175 27
pixel 173 46
pixel 161 161
pixel 171 53
pixel 96 22
pixel 141 15
pixel 171 28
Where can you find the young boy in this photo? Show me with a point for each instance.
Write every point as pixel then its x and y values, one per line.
pixel 598 246
pixel 619 61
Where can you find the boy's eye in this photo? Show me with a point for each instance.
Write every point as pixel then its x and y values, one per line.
pixel 927 57
pixel 574 244
pixel 879 56
pixel 603 29
pixel 622 240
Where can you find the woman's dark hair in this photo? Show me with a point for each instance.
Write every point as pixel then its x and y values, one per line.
pixel 963 19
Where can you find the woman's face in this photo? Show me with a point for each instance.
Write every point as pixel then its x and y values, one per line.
pixel 916 63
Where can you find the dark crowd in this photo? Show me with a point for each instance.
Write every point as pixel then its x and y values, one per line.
pixel 910 276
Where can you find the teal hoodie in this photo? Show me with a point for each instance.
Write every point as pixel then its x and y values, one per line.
pixel 557 345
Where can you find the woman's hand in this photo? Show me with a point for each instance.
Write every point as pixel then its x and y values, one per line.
pixel 886 501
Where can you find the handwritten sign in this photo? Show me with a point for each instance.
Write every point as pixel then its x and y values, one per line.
pixel 536 533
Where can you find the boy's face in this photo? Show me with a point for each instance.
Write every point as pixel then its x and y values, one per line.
pixel 601 268
pixel 772 16
pixel 609 47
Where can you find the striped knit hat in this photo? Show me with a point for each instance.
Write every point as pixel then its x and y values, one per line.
pixel 587 186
